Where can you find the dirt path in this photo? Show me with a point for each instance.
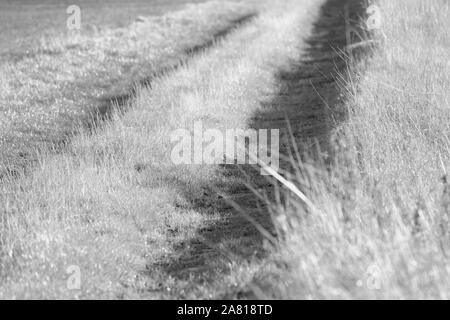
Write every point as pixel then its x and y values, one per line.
pixel 306 88
pixel 156 229
pixel 43 122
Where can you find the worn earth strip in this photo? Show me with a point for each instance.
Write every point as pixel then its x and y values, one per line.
pixel 48 118
pixel 66 196
pixel 307 90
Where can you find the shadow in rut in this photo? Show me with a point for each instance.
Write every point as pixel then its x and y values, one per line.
pixel 308 90
pixel 104 108
pixel 108 104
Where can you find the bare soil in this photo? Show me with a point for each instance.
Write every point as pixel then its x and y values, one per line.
pixel 308 90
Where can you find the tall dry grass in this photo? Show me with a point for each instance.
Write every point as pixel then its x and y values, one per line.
pixel 88 205
pixel 113 203
pixel 46 92
pixel 382 224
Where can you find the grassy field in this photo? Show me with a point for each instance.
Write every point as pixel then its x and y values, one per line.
pixel 113 203
pixel 380 226
pixel 363 212
pixel 126 230
pixel 49 92
pixel 25 22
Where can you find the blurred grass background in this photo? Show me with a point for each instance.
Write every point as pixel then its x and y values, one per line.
pixel 24 22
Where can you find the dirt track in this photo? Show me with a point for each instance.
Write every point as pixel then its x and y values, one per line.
pixel 308 86
pixel 221 237
pixel 50 117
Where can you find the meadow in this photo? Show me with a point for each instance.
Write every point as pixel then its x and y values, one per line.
pixel 359 209
pixel 25 22
pixel 67 79
pixel 378 226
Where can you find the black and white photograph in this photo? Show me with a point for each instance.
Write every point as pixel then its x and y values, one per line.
pixel 241 152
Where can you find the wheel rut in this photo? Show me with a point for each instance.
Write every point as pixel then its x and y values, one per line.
pixel 16 150
pixel 307 89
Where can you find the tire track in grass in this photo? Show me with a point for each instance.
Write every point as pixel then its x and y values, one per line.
pixel 18 146
pixel 25 197
pixel 119 102
pixel 308 96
